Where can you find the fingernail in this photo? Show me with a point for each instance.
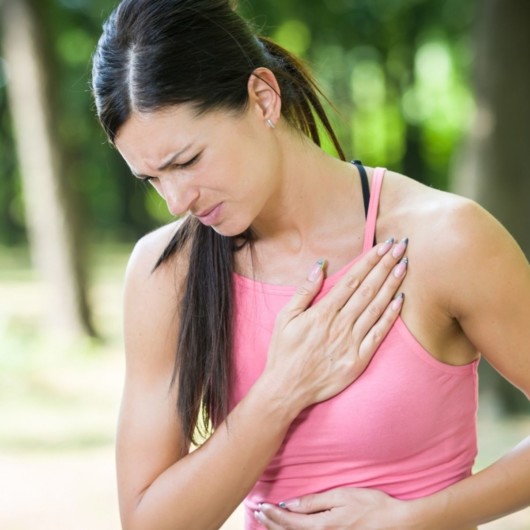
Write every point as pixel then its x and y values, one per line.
pixel 400 248
pixel 401 267
pixel 293 503
pixel 316 271
pixel 398 301
pixel 385 247
pixel 259 516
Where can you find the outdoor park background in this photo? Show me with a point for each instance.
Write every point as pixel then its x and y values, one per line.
pixel 437 89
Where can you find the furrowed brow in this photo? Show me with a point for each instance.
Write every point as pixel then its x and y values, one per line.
pixel 165 165
pixel 173 157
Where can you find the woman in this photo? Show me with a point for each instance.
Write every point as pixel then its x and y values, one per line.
pixel 321 390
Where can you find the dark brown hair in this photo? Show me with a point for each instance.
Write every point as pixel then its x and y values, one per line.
pixel 155 54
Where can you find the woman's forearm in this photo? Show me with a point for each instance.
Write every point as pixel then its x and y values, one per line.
pixel 202 489
pixel 500 489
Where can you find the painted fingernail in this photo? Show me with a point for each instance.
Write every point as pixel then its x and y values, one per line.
pixel 398 301
pixel 400 248
pixel 316 271
pixel 289 504
pixel 385 247
pixel 401 267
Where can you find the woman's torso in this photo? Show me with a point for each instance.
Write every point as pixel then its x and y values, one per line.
pixel 406 426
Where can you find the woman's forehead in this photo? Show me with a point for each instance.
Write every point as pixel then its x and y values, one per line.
pixel 183 117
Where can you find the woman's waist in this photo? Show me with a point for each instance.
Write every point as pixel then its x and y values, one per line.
pixel 406 485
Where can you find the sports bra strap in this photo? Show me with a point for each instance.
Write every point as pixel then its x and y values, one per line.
pixel 373 208
pixel 364 185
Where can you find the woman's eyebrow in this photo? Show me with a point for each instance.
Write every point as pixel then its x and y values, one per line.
pixel 165 165
pixel 172 158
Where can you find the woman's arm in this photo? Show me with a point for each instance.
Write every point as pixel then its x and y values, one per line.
pixel 161 485
pixel 486 286
pixel 491 300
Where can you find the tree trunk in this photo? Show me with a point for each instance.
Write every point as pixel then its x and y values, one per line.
pixel 55 247
pixel 494 168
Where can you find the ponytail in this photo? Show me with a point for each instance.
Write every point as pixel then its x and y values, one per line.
pixel 203 361
pixel 300 94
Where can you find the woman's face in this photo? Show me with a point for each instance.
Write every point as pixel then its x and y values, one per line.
pixel 220 167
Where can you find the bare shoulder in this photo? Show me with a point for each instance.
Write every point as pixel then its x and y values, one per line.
pixel 453 240
pixel 450 223
pixel 465 272
pixel 148 249
pixel 151 301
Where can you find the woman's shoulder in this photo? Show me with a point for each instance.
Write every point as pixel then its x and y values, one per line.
pixel 146 282
pixel 148 249
pixel 429 213
pixel 406 191
pixel 456 250
pixel 150 303
pixel 451 237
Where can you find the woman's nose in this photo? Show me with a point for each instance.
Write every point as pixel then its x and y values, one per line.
pixel 179 197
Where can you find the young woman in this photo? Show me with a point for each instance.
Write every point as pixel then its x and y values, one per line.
pixel 329 410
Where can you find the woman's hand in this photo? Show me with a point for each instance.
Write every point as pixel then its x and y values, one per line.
pixel 316 352
pixel 342 508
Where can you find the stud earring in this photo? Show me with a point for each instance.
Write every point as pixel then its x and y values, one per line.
pixel 270 123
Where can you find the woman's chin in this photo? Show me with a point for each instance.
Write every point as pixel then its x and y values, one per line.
pixel 229 229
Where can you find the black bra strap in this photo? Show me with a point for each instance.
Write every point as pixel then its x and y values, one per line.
pixel 364 183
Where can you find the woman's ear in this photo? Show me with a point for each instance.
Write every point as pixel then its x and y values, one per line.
pixel 264 95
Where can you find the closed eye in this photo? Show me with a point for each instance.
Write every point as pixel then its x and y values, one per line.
pixel 189 163
pixel 185 165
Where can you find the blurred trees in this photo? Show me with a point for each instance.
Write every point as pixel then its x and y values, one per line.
pixel 494 166
pixel 114 207
pixel 54 229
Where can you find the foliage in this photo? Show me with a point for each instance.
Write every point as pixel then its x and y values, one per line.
pixel 113 207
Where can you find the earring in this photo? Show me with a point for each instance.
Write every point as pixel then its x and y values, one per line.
pixel 270 123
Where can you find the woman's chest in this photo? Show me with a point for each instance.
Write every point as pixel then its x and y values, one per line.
pixel 403 382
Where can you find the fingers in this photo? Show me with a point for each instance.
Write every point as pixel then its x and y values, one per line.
pixel 372 318
pixel 366 307
pixel 378 331
pixel 266 522
pixel 274 518
pixel 365 277
pixel 306 292
pixel 375 265
pixel 304 512
pixel 317 502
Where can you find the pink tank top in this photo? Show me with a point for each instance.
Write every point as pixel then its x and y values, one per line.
pixel 406 426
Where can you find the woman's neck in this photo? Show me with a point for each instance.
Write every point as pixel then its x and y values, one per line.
pixel 317 195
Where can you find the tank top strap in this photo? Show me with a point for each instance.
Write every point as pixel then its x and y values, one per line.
pixel 373 208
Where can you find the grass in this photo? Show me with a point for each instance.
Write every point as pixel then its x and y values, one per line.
pixel 59 402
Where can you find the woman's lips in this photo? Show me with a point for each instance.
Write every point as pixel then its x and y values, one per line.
pixel 209 217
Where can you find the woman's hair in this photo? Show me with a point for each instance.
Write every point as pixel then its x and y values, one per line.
pixel 154 54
